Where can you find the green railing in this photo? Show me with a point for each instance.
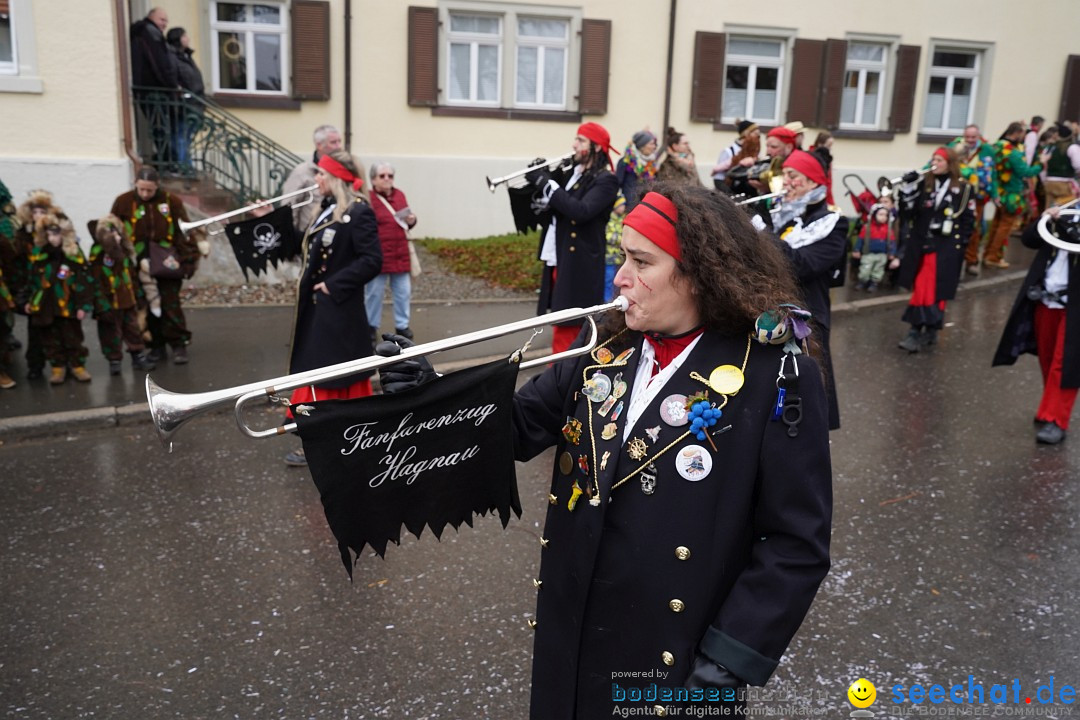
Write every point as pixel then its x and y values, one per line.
pixel 182 134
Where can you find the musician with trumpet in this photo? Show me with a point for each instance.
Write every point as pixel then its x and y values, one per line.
pixel 1045 323
pixel 577 203
pixel 166 256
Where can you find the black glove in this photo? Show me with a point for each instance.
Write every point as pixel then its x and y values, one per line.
pixel 540 175
pixel 405 374
pixel 707 674
pixel 910 177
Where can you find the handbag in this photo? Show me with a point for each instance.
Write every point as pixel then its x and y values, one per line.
pixel 414 258
pixel 165 262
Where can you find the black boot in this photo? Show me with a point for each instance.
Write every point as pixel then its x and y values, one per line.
pixel 115 367
pixel 911 342
pixel 929 336
pixel 140 361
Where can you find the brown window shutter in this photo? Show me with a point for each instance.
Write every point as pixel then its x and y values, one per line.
pixel 903 100
pixel 708 89
pixel 832 83
pixel 806 62
pixel 1070 95
pixel 423 76
pixel 311 50
pixel 595 66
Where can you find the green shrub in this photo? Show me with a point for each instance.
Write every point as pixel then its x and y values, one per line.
pixel 504 260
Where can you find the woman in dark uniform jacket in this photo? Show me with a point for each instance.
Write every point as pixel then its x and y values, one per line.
pixel 341 255
pixel 676 567
pixel 813 236
pixel 1045 321
pixel 942 211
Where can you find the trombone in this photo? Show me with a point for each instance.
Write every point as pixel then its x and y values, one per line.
pixel 170 410
pixel 760 198
pixel 186 227
pixel 492 184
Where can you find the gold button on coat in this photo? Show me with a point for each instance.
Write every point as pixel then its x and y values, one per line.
pixel 572 248
pixel 677 605
pixel 552 499
pixel 667 657
pixel 537 583
pixel 683 553
pixel 532 624
pixel 543 542
pixel 573 234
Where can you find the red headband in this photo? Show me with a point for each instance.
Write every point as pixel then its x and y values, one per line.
pixel 942 153
pixel 782 134
pixel 807 164
pixel 339 171
pixel 655 217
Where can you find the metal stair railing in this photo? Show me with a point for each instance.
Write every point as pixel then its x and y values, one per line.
pixel 182 134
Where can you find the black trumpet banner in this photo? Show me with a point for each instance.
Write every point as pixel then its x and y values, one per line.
pixel 258 240
pixel 430 456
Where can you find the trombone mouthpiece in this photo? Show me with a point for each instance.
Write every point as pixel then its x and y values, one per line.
pixel 622 302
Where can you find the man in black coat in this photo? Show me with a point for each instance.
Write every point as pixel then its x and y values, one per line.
pixel 1045 323
pixel 152 65
pixel 572 244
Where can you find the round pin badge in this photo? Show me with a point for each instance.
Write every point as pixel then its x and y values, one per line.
pixel 597 388
pixel 603 355
pixel 566 463
pixel 346 218
pixel 673 410
pixel 726 379
pixel 693 462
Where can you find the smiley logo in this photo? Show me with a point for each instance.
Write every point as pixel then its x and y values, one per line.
pixel 862 693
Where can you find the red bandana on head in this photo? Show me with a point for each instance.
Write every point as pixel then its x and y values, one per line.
pixel 655 217
pixel 339 171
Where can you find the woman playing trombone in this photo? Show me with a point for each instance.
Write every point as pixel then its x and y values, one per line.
pixel 341 255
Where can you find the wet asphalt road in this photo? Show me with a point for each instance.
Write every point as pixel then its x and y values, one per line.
pixel 206 584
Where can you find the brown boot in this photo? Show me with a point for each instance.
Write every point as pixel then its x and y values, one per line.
pixel 57 375
pixel 80 373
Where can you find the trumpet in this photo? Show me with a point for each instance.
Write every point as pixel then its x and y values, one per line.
pixel 492 184
pixel 886 186
pixel 759 198
pixel 186 227
pixel 1073 230
pixel 170 410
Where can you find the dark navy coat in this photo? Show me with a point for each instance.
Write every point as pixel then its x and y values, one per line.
pixel 726 565
pixel 331 329
pixel 583 212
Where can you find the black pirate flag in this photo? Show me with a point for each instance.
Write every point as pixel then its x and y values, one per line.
pixel 526 214
pixel 265 238
pixel 430 456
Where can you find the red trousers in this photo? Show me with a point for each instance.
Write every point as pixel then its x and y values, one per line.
pixel 1057 402
pixel 563 336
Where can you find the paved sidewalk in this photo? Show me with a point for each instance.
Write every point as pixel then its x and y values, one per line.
pixel 239 345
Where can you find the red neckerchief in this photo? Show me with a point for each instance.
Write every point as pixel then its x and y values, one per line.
pixel 668 347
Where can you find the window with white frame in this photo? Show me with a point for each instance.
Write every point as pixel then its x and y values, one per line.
pixel 953 83
pixel 864 83
pixel 542 49
pixel 9 62
pixel 475 52
pixel 508 55
pixel 250 47
pixel 753 79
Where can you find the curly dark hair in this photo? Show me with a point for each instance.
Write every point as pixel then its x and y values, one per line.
pixel 735 272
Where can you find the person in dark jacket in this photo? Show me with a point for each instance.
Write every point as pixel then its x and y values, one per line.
pixel 155 79
pixel 341 255
pixel 1045 321
pixel 942 213
pixel 578 203
pixel 637 167
pixel 188 111
pixel 686 537
pixel 814 239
